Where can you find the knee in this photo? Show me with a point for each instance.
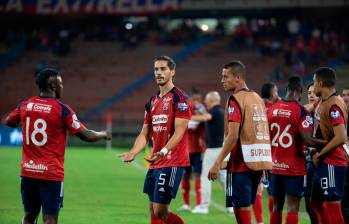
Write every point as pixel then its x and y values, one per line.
pixel 50 219
pixel 161 214
pixel 30 218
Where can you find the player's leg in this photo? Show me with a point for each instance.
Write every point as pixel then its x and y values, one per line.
pixel 241 193
pixel 30 191
pixel 345 200
pixel 258 205
pixel 185 185
pixel 278 192
pixel 51 194
pixel 205 183
pixel 317 198
pixel 167 181
pixel 335 191
pixel 197 169
pixel 295 187
pixel 307 194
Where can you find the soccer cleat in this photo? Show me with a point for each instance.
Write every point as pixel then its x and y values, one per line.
pixel 200 210
pixel 184 208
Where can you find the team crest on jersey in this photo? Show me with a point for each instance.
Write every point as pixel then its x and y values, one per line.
pixel 182 106
pixel 165 107
pixel 335 114
pixel 230 110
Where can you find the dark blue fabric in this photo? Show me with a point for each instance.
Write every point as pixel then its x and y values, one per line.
pixel 215 128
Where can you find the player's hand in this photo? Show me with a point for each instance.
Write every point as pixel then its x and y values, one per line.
pixel 155 157
pixel 127 157
pixel 108 136
pixel 316 159
pixel 212 174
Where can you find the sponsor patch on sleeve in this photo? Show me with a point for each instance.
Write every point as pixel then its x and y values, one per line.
pixel 182 106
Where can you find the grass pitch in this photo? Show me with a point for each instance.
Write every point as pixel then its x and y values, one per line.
pixel 99 188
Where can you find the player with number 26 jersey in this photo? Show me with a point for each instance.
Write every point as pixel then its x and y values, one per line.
pixel 45 123
pixel 287 118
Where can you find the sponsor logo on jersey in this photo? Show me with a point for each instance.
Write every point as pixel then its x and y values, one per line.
pixel 160 119
pixel 282 113
pixel 182 106
pixel 30 106
pixel 35 167
pixel 159 128
pixel 280 166
pixel 38 107
pixel 335 114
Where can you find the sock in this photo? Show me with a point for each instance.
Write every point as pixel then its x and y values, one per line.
pixel 174 219
pixel 275 217
pixel 237 214
pixel 245 217
pixel 270 204
pixel 334 212
pixel 186 190
pixel 292 218
pixel 198 191
pixel 258 208
pixel 154 220
pixel 320 212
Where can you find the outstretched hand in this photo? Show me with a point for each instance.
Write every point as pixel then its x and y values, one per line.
pixel 127 157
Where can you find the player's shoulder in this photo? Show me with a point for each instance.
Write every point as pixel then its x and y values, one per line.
pixel 65 108
pixel 179 94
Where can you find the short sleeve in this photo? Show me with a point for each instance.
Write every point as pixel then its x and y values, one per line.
pixel 70 120
pixel 14 117
pixel 183 109
pixel 336 115
pixel 306 121
pixel 234 113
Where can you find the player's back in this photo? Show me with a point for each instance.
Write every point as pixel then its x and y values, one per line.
pixel 286 118
pixel 44 137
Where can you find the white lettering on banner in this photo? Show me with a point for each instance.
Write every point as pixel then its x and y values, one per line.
pixel 14 5
pixel 35 167
pixel 62 6
pixel 160 119
pixel 256 153
pixel 43 7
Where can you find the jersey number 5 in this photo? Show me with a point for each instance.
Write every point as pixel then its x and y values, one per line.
pixel 284 139
pixel 37 130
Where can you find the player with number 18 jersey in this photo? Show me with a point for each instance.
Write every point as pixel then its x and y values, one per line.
pixel 45 124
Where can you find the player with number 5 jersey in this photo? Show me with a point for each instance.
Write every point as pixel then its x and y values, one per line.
pixel 45 122
pixel 291 127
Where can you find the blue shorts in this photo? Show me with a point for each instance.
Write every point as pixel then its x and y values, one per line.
pixel 282 185
pixel 328 182
pixel 37 193
pixel 195 163
pixel 242 188
pixel 162 184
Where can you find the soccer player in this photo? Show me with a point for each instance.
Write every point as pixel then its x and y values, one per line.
pixel 214 124
pixel 331 161
pixel 290 127
pixel 345 200
pixel 312 102
pixel 269 94
pixel 247 141
pixel 197 145
pixel 166 121
pixel 45 121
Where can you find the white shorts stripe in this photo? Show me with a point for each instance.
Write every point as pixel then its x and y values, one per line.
pixel 62 190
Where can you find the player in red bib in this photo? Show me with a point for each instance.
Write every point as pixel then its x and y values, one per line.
pixel 45 122
pixel 331 161
pixel 166 122
pixel 290 127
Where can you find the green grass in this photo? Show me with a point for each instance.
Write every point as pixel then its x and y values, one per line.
pixel 99 188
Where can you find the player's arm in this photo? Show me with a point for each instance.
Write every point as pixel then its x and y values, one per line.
pixel 340 136
pixel 310 141
pixel 202 117
pixel 139 145
pixel 180 126
pixel 88 135
pixel 13 119
pixel 230 140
